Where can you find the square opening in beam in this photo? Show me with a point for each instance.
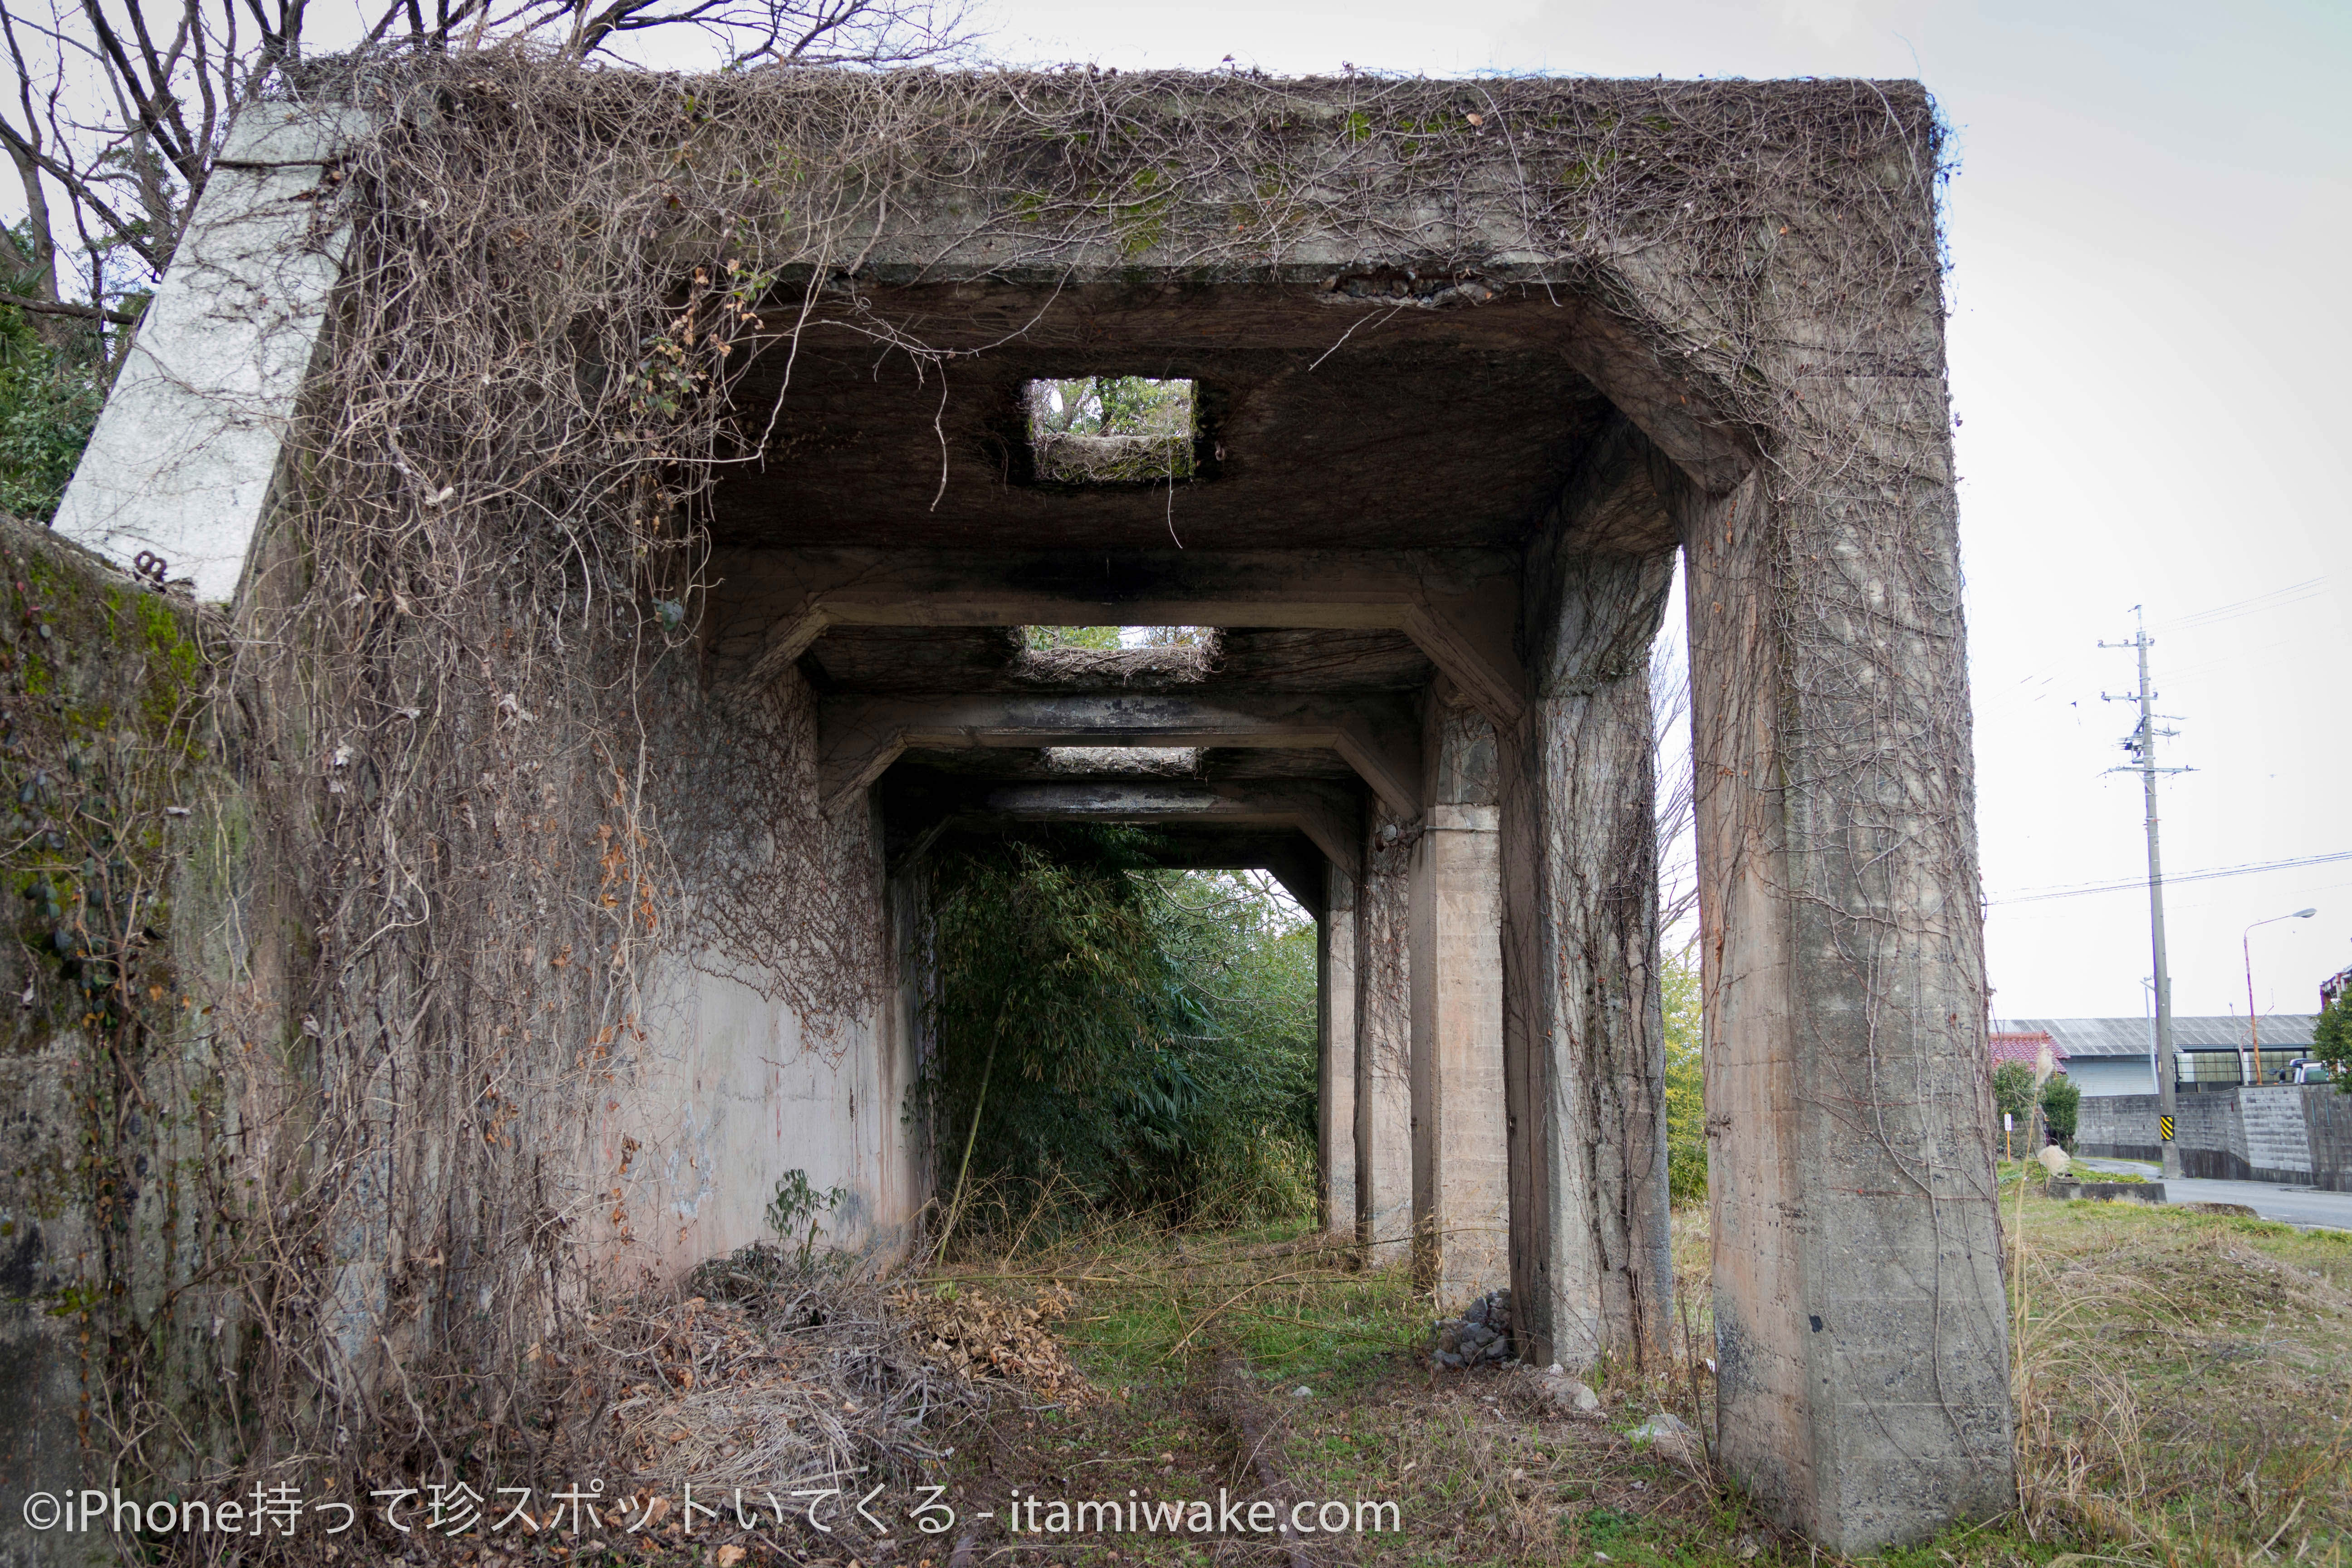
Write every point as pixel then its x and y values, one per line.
pixel 1109 640
pixel 1112 429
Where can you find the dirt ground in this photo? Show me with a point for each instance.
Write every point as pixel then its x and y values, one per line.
pixel 2185 1387
pixel 2184 1383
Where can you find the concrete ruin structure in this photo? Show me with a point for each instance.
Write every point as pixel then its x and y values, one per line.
pixel 1436 511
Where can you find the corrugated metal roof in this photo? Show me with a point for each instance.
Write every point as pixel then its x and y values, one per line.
pixel 2136 1037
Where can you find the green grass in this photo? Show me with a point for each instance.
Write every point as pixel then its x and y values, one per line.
pixel 2163 1353
pixel 1294 1310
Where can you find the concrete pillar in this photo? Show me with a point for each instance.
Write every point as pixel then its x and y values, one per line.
pixel 1592 1261
pixel 1859 1309
pixel 1384 1041
pixel 1461 1180
pixel 906 1166
pixel 1335 1120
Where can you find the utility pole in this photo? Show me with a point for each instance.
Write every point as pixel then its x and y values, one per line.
pixel 2141 744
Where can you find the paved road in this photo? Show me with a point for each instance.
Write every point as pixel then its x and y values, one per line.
pixel 2293 1206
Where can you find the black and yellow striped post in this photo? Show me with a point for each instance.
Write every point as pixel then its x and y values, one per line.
pixel 2166 1122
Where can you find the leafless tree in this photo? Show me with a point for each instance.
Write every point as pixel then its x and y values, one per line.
pixel 121 105
pixel 1670 702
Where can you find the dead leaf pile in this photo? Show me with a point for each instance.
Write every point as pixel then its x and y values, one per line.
pixel 978 1336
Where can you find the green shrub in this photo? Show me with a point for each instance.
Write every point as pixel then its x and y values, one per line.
pixel 1686 1102
pixel 2013 1093
pixel 1110 1037
pixel 2061 1102
pixel 50 399
pixel 2331 1040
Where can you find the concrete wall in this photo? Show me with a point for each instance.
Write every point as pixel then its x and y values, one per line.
pixel 2295 1133
pixel 731 1094
pixel 99 1150
pixel 756 1062
pixel 730 1078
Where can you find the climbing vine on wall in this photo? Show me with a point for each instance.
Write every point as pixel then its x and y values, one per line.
pixel 110 1191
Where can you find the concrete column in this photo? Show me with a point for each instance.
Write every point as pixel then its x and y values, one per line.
pixel 1858 1310
pixel 907 1165
pixel 1335 1121
pixel 1384 1042
pixel 1592 1261
pixel 1461 1180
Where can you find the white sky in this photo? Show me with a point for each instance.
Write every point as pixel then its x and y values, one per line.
pixel 2149 344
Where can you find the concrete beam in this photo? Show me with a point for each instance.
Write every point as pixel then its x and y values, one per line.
pixel 859 737
pixel 1460 606
pixel 1331 817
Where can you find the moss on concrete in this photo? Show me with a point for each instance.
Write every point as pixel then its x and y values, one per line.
pixel 105 755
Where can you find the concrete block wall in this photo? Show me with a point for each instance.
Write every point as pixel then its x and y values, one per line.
pixel 2327 1121
pixel 2299 1134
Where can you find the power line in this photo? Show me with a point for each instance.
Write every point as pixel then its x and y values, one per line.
pixel 2276 599
pixel 2085 889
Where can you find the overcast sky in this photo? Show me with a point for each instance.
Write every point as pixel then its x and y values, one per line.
pixel 2149 231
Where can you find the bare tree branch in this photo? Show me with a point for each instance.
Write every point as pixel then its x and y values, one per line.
pixel 121 104
pixel 67 307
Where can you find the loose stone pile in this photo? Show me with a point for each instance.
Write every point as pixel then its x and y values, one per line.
pixel 1480 1335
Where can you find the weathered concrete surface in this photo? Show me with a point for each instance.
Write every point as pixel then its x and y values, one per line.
pixel 187 449
pixel 1859 1307
pixel 1460 1173
pixel 1335 1016
pixel 1857 1292
pixel 1593 1271
pixel 1375 733
pixel 731 1093
pixel 734 1085
pixel 1384 1041
pixel 99 683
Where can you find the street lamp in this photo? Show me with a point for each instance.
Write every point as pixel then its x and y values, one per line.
pixel 2246 947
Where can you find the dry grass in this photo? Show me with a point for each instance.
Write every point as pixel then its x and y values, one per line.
pixel 805 1387
pixel 2165 1357
pixel 2184 1383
